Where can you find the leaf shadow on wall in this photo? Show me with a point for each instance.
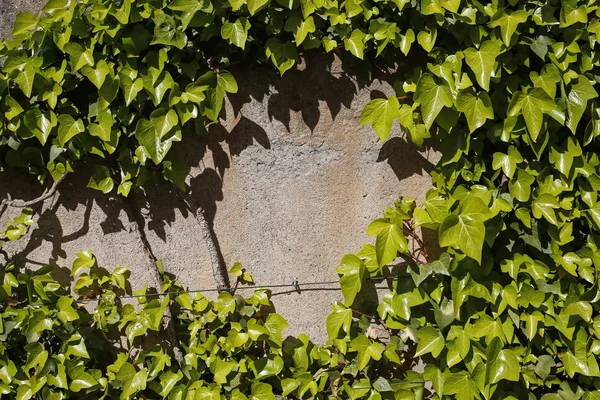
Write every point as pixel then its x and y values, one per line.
pixel 299 92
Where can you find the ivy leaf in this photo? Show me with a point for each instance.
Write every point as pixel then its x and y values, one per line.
pixel 406 41
pixel 66 312
pixel 166 32
pixel 275 324
pixel 520 188
pixel 532 107
pixel 433 96
pixel 80 379
pixel 353 271
pixel 149 139
pixel 189 8
pixel 339 320
pixel 571 14
pixel 227 82
pixel 103 126
pixel 544 206
pixel 508 162
pixel 366 349
pixel 503 366
pixel 79 55
pixel 381 114
pixel 355 44
pixel 164 121
pixel 39 124
pixel 98 74
pixel 24 22
pixel 236 32
pixel 283 56
pixel 426 38
pixel 580 94
pixel 101 180
pixel 547 80
pixel 25 79
pixel 482 61
pixel 132 381
pixel 508 23
pixel 300 27
pixel 477 108
pixel 68 128
pixel 466 230
pixel 255 5
pixel 390 240
pixel 430 341
pixel 131 88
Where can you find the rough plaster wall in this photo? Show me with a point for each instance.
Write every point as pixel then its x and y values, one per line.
pixel 289 180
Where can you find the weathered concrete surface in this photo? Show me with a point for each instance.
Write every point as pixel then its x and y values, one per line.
pixel 289 180
pixel 10 8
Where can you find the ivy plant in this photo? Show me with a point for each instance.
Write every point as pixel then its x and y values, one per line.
pixel 508 90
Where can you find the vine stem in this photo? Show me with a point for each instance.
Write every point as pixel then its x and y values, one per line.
pixel 47 194
pixel 168 323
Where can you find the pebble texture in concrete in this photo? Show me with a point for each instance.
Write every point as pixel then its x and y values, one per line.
pixel 289 179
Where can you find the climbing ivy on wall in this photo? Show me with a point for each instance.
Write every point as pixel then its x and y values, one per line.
pixel 508 89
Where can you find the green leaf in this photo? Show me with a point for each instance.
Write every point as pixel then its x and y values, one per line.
pixel 66 312
pixel 131 88
pixel 166 32
pixel 164 121
pixel 300 27
pixel 255 5
pixel 189 9
pixel 520 187
pixel 101 180
pixel 24 22
pixel 508 162
pixel 581 308
pixel 68 128
pixel 466 230
pixel 477 108
pixel 85 259
pixel 430 341
pixel 148 137
pixel 532 107
pixel 544 206
pixel 508 23
pixel 503 366
pixel 353 272
pixel 226 81
pixel 580 94
pixel 25 79
pixel 433 95
pixel 390 240
pixel 39 124
pixel 461 385
pixel 98 74
pixel 79 55
pixel 482 61
pixel 103 126
pixel 381 114
pixel 236 32
pixel 355 44
pixel 275 324
pixel 132 381
pixel 339 320
pixel 571 14
pixel 80 379
pixel 366 349
pixel 283 56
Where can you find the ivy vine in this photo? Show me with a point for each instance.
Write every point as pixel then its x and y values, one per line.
pixel 507 88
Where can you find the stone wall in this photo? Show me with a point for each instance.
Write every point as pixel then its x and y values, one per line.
pixel 290 181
